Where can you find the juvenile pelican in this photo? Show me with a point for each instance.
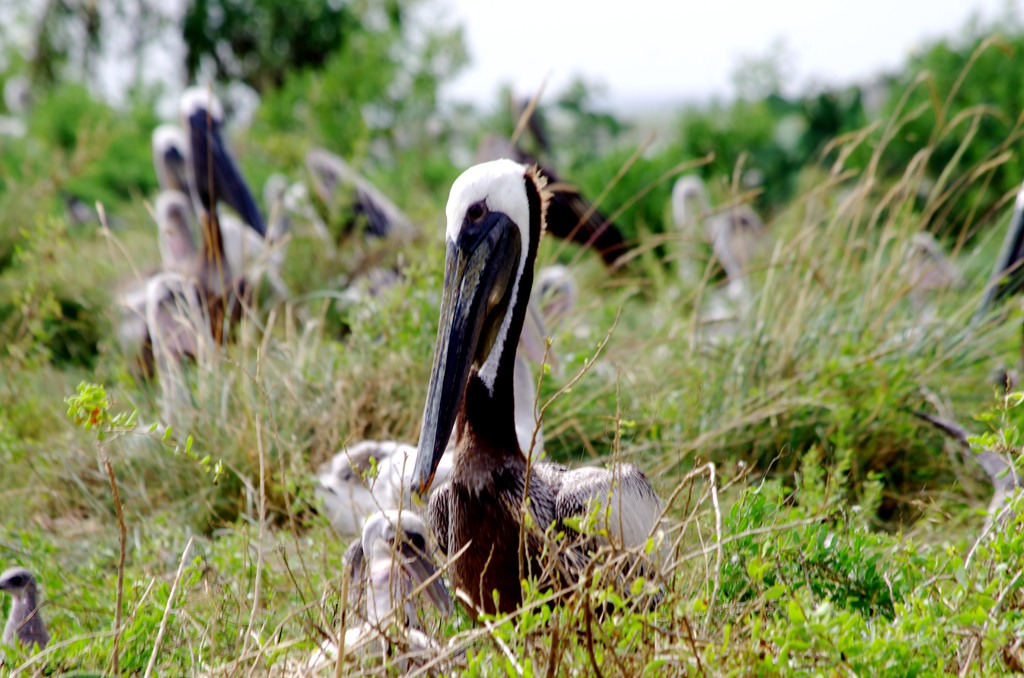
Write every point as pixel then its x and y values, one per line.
pixel 495 218
pixel 178 329
pixel 557 292
pixel 928 271
pixel 331 174
pixel 24 623
pixel 170 158
pixel 352 490
pixel 734 235
pixel 385 565
pixel 178 251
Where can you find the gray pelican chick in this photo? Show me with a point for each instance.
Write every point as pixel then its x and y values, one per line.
pixel 352 491
pixel 734 235
pixel 331 175
pixel 24 623
pixel 495 217
pixel 170 158
pixel 390 560
pixel 928 271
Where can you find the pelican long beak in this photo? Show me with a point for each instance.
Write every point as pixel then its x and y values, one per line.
pixel 478 274
pixel 217 177
pixel 420 569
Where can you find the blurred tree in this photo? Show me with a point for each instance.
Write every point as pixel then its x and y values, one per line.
pixel 260 41
pixel 591 131
pixel 973 90
pixel 376 95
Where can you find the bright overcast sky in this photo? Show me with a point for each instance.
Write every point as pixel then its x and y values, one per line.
pixel 649 52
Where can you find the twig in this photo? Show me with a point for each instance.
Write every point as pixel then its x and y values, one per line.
pixel 167 608
pixel 263 520
pixel 122 538
pixel 340 661
pixel 589 614
pixel 718 539
pixel 464 597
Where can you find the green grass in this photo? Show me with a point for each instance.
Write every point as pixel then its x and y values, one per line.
pixel 818 527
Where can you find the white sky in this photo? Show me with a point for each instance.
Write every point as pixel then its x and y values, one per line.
pixel 649 52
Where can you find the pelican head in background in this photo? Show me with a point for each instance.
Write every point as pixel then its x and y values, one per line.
pixel 495 217
pixel 24 623
pixel 331 175
pixel 170 158
pixel 213 174
pixel 735 234
pixel 556 292
pixel 385 565
pixel 689 201
pixel 928 271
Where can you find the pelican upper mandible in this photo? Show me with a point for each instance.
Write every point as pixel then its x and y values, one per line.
pixel 495 217
pixel 213 174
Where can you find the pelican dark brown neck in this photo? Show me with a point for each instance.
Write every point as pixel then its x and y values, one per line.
pixel 487 417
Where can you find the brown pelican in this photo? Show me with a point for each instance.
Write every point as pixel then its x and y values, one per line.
pixel 351 488
pixel 570 216
pixel 495 217
pixel 24 622
pixel 331 174
pixel 214 178
pixel 386 565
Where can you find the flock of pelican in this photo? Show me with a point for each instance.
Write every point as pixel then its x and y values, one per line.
pixel 475 488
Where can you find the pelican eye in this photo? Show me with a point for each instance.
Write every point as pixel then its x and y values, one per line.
pixel 17 581
pixel 476 212
pixel 418 542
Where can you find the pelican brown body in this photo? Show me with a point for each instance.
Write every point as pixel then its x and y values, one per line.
pixel 495 219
